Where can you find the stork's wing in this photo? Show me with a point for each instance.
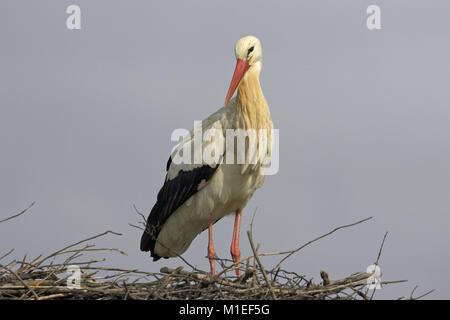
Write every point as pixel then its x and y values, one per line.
pixel 187 173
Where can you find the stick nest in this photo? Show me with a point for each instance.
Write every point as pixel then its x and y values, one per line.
pixel 45 278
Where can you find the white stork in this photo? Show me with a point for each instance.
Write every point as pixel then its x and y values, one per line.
pixel 196 195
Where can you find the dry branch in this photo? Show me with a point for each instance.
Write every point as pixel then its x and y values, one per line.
pixel 19 214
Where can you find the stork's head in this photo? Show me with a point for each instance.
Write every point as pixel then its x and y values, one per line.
pixel 248 54
pixel 248 49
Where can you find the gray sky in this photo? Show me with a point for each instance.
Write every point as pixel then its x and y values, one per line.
pixel 86 118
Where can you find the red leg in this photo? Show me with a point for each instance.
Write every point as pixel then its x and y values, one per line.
pixel 211 251
pixel 235 252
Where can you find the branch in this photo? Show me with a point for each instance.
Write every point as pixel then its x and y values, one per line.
pixel 20 213
pixel 318 238
pixel 249 234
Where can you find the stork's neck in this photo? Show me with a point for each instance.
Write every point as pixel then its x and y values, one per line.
pixel 252 108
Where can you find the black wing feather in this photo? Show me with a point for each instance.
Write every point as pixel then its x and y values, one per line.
pixel 171 196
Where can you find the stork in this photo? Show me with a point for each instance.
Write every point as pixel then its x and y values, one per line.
pixel 196 195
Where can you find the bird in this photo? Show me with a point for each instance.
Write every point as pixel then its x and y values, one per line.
pixel 197 194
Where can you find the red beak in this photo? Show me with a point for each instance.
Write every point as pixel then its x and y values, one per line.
pixel 241 67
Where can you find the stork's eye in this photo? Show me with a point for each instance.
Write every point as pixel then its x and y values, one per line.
pixel 250 50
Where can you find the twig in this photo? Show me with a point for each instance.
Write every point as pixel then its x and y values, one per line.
pixel 376 262
pixel 23 282
pixel 381 248
pixel 318 238
pixel 260 265
pixel 52 296
pixel 75 244
pixel 20 213
pixel 421 296
pixel 6 254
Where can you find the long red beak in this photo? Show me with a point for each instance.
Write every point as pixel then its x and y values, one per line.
pixel 241 67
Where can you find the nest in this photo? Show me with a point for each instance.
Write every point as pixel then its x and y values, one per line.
pixel 45 278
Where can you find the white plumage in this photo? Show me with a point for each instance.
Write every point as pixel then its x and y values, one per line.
pixel 229 189
pixel 194 192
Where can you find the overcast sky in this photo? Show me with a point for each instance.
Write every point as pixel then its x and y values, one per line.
pixel 86 119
